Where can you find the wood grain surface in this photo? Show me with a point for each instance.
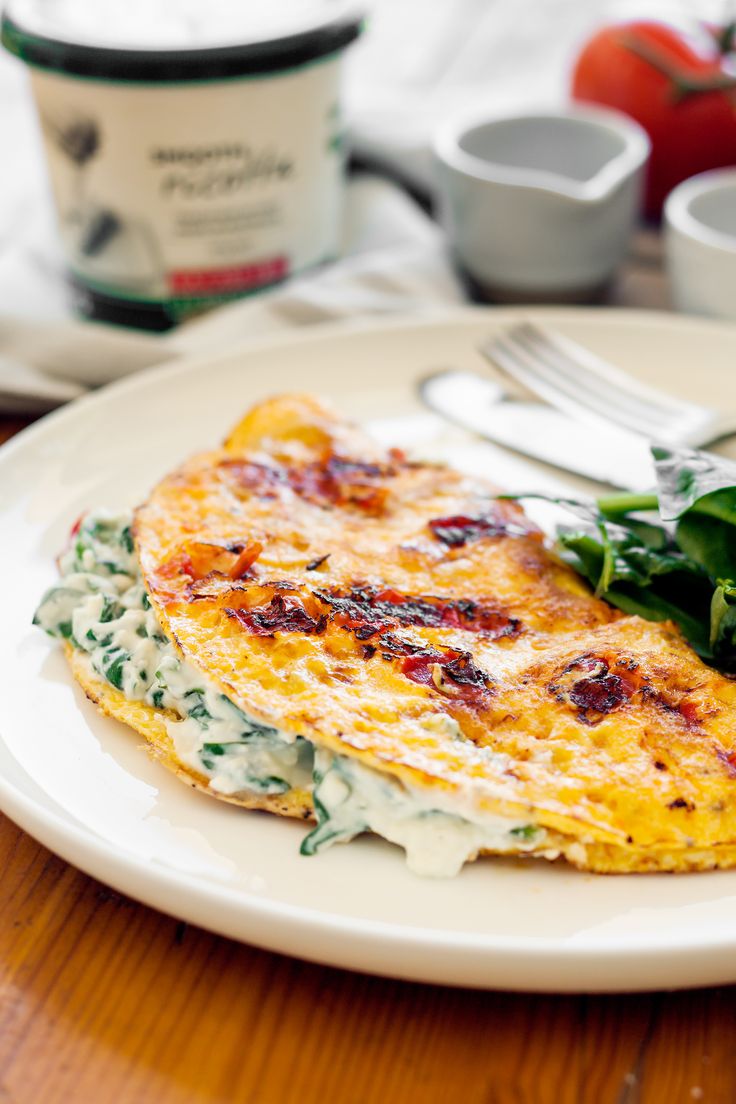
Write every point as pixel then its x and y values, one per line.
pixel 102 999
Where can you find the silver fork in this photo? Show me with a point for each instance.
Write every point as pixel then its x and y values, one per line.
pixel 577 381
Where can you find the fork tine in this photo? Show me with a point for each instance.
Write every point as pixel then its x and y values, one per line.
pixel 577 381
pixel 603 370
pixel 637 403
pixel 612 401
pixel 513 359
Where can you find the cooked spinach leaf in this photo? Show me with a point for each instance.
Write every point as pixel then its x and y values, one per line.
pixel 697 491
pixel 723 619
pixel 658 584
pixel 669 555
pixel 685 476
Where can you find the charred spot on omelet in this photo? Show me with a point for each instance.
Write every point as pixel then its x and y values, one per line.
pixel 433 597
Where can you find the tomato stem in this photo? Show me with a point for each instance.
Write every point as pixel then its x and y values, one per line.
pixel 726 37
pixel 684 85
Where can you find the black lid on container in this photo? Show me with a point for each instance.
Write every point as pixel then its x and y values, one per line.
pixel 305 43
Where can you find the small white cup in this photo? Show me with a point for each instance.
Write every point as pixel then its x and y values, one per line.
pixel 700 215
pixel 540 206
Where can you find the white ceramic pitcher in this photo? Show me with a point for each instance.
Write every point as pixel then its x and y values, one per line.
pixel 541 206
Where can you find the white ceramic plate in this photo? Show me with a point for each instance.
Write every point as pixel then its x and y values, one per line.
pixel 83 785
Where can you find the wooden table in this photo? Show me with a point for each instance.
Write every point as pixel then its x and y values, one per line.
pixel 102 999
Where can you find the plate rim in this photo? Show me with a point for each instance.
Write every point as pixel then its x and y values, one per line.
pixel 354 327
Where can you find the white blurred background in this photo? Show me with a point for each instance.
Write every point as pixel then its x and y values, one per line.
pixel 419 61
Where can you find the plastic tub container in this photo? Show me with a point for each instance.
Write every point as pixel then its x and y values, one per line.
pixel 194 149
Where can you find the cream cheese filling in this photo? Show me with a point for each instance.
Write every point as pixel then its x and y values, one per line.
pixel 350 798
pixel 100 606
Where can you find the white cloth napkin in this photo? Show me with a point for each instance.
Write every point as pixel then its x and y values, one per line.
pixel 393 261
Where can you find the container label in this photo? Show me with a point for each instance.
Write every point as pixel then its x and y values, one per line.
pixel 168 191
pixel 220 281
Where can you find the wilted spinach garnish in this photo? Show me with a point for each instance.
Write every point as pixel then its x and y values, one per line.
pixel 668 555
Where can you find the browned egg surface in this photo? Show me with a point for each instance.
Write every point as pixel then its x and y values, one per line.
pixel 359 599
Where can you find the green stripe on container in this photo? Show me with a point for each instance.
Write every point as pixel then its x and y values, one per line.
pixel 179 305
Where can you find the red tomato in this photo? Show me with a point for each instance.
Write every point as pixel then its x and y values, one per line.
pixel 679 83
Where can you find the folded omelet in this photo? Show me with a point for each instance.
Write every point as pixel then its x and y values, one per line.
pixel 302 622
